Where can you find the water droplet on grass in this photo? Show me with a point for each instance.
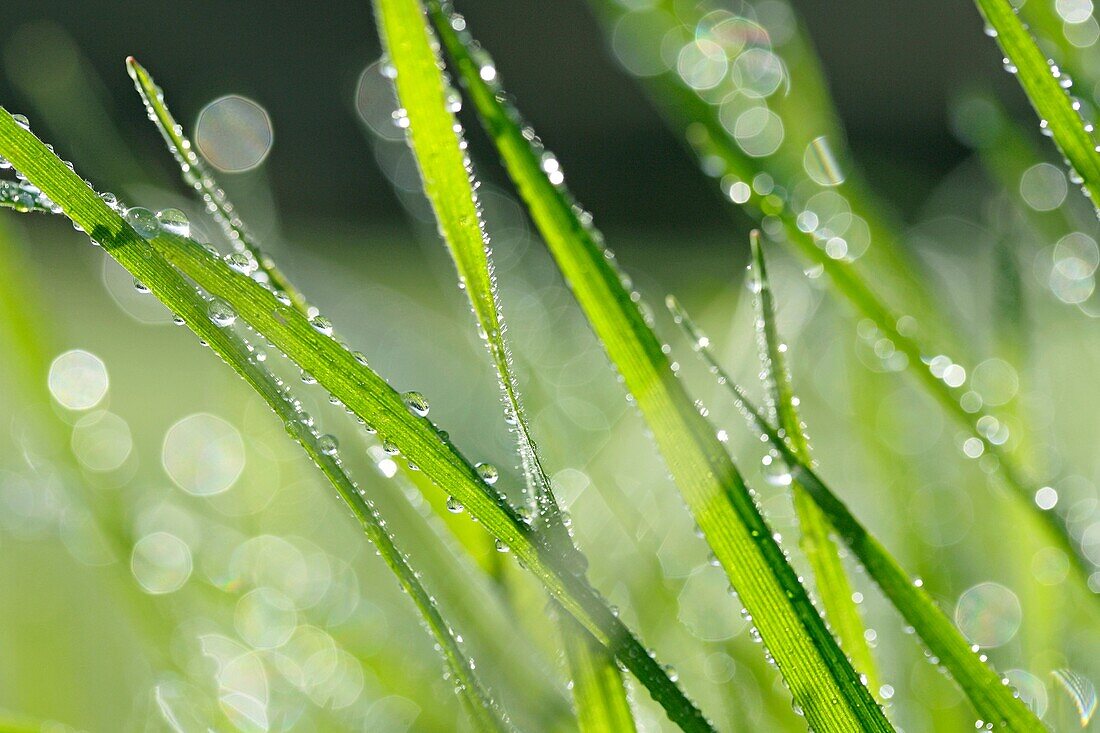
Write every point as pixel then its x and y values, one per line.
pixel 488 473
pixel 220 313
pixel 143 221
pixel 328 445
pixel 417 403
pixel 175 222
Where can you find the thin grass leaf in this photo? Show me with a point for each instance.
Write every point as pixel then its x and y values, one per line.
pixel 833 586
pixel 1047 89
pixel 122 242
pixel 435 137
pixel 360 389
pixel 700 123
pixel 820 677
pixel 995 702
pixel 197 175
pixel 773 188
pixel 598 691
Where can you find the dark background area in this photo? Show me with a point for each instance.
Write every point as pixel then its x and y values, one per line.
pixel 893 66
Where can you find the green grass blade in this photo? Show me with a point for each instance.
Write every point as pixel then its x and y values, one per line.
pixel 107 227
pixel 820 677
pixel 598 691
pixel 370 398
pixel 909 333
pixel 436 140
pixel 197 175
pixel 767 188
pixel 833 586
pixel 360 389
pixel 995 702
pixel 1047 89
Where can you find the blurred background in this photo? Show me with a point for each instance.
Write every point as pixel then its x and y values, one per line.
pixel 169 561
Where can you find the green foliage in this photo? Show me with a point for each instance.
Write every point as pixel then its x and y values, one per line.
pixel 995 702
pixel 419 522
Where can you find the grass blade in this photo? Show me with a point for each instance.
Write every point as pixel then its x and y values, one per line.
pixel 436 140
pixel 355 385
pixel 598 691
pixel 1047 89
pixel 107 227
pixel 700 123
pixel 814 530
pixel 994 701
pixel 820 677
pixel 197 175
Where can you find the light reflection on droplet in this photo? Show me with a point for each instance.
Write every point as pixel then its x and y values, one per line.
pixel 1082 35
pixel 1050 566
pixel 242 682
pixel 343 686
pixel 1076 255
pixel 757 72
pixel 392 713
pixel 203 454
pixel 78 380
pixel 821 164
pixel 1043 187
pixel 1074 11
pixel 265 618
pixel 996 381
pixel 759 132
pixel 376 101
pixel 1032 690
pixel 988 614
pixel 636 41
pixel 101 441
pixel 234 133
pixel 161 563
pixel 1081 691
pixel 702 64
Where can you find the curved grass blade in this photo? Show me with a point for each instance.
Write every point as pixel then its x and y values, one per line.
pixel 833 586
pixel 711 141
pixel 361 390
pixel 197 175
pixel 106 227
pixel 371 399
pixel 1047 89
pixel 996 703
pixel 820 677
pixel 435 137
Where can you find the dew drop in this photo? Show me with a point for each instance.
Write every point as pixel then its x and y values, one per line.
pixel 321 325
pixel 175 222
pixel 488 473
pixel 143 221
pixel 417 403
pixel 328 445
pixel 244 264
pixel 220 313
